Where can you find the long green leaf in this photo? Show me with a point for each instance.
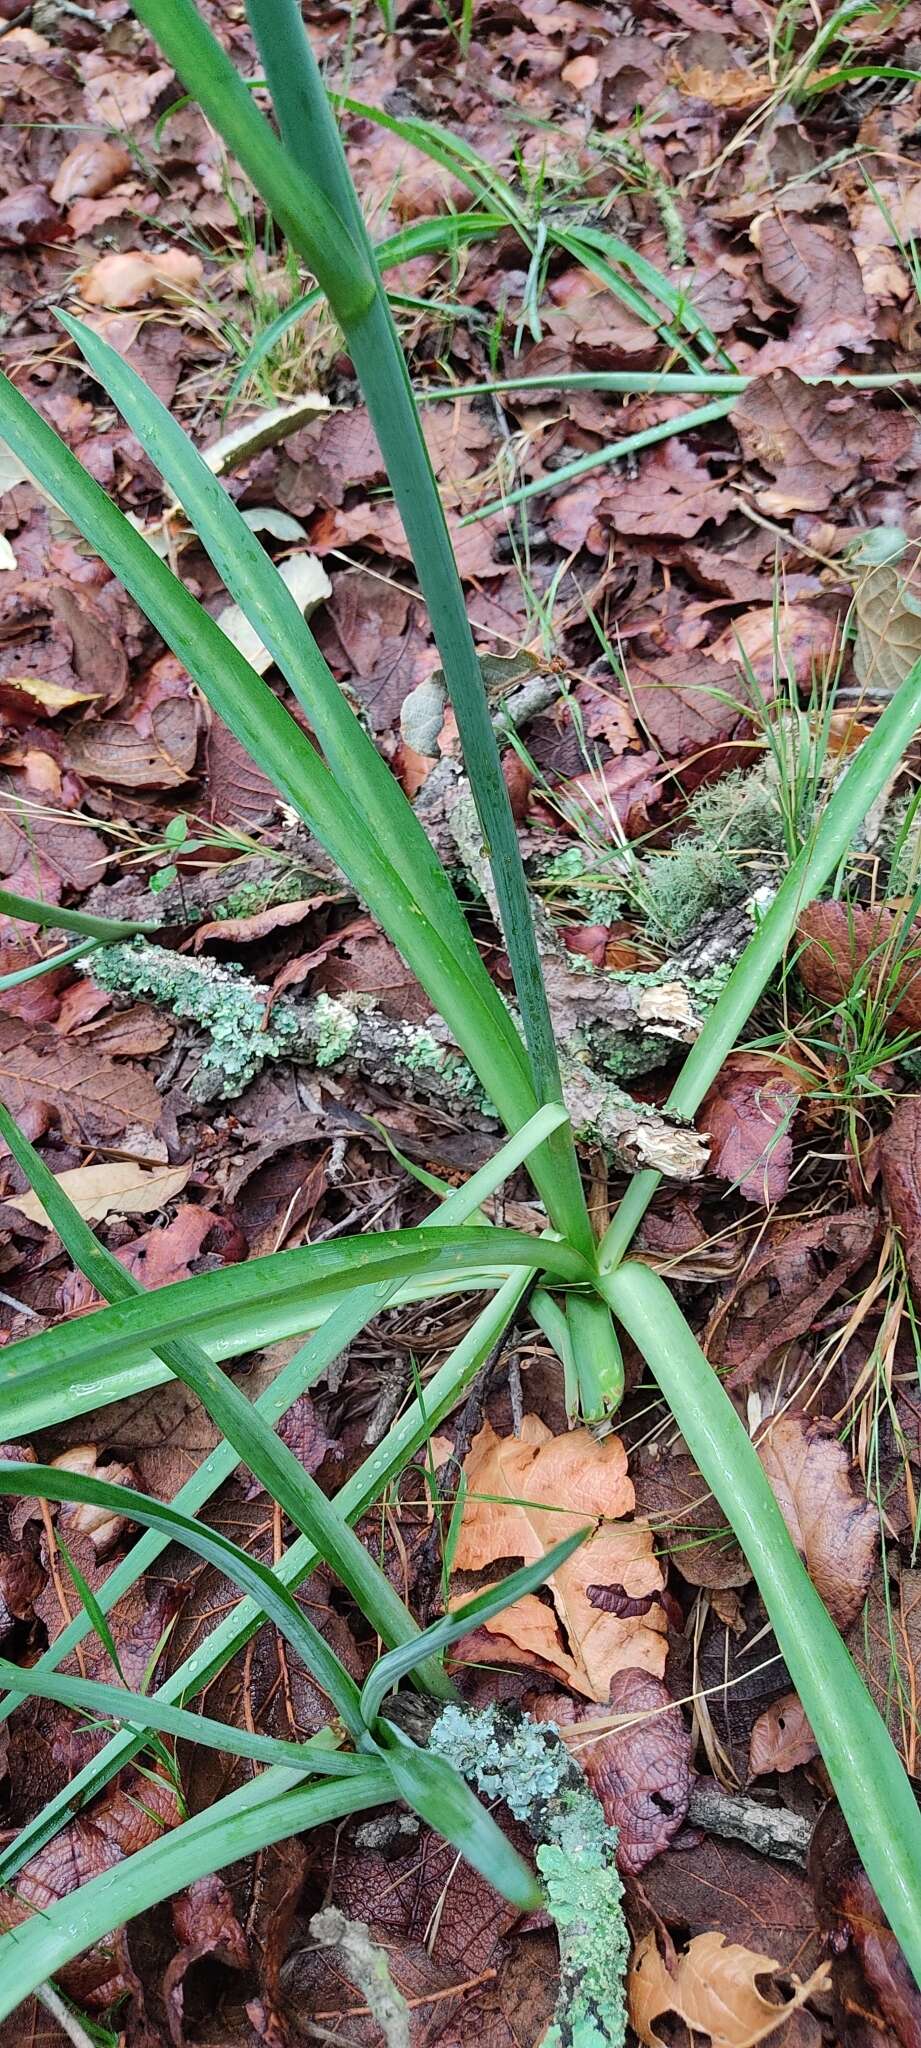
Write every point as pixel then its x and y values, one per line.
pixel 270 1459
pixel 252 578
pixel 876 1798
pixel 99 1342
pixel 32 911
pixel 439 1793
pixel 240 1825
pixel 232 1634
pixel 52 1482
pixel 273 739
pixel 145 1710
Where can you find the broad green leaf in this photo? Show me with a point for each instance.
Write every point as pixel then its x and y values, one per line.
pixel 439 1793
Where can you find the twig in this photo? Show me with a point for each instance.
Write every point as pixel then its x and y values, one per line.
pixel 770 1830
pixel 62 2016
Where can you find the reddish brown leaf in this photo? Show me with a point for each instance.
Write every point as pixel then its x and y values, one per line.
pixel 29 216
pixel 785 1286
pixel 781 1738
pixel 95 1098
pixel 877 2001
pixel 91 168
pixel 812 439
pixel 673 493
pixel 834 1526
pixel 839 939
pixel 816 268
pixel 207 1925
pixel 641 1772
pixel 746 1116
pixel 160 757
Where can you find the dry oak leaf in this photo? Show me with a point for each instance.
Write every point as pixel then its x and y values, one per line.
pixel 833 1525
pixel 524 1495
pixel 781 1738
pixel 129 276
pixel 815 268
pixel 94 1096
pixel 714 1990
pixel 119 99
pixel 812 440
pixel 837 940
pixel 673 493
pixel 900 1164
pixel 746 1116
pixel 641 1772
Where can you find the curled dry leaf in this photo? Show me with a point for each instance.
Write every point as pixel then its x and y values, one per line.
pixel 887 607
pixel 207 1925
pixel 641 1772
pixel 80 1518
pixel 89 170
pixel 129 276
pixel 799 1268
pixel 116 1187
pixel 306 578
pixel 524 1494
pixel 714 1989
pixel 781 1738
pixel 900 1164
pixel 833 1525
pixel 747 1116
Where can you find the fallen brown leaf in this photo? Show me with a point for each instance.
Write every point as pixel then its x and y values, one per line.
pixel 115 1186
pixel 526 1493
pixel 641 1772
pixel 96 1098
pixel 838 939
pixel 876 1998
pixel 129 276
pixel 674 492
pixel 834 1526
pixel 781 1738
pixel 714 1990
pixel 812 440
pixel 785 1286
pixel 207 1925
pixel 90 169
pixel 746 1116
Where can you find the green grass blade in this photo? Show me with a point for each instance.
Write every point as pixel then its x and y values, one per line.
pixel 594 242
pixel 100 1341
pixel 874 1793
pixel 51 1482
pixel 865 776
pixel 231 1635
pixel 253 580
pixel 378 358
pixel 601 458
pixel 445 233
pixel 389 1670
pixel 266 1811
pixel 141 1710
pixel 266 1455
pixel 39 967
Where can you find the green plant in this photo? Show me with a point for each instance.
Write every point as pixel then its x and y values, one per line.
pixel 351 802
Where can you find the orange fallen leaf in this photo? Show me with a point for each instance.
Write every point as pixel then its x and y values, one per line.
pixel 524 1495
pixel 128 276
pixel 713 1990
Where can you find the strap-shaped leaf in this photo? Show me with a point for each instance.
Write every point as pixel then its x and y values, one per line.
pixel 255 1441
pixel 146 1710
pixel 397 1664
pixel 231 1635
pixel 52 1482
pixel 265 1811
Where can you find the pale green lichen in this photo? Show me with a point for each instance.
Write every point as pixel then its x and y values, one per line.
pixel 247 899
pixel 506 1755
pixel 333 1028
pixel 219 998
pixel 421 1054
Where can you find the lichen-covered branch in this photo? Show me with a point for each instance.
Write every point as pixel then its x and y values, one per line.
pixel 507 1756
pixel 241 1034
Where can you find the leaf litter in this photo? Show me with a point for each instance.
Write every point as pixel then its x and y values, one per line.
pixel 670 599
